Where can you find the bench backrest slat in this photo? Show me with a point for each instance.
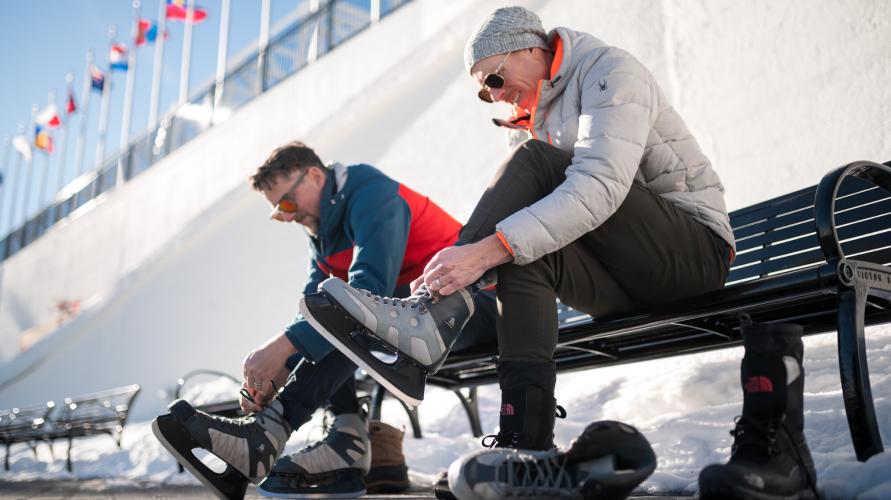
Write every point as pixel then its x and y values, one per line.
pixel 786 214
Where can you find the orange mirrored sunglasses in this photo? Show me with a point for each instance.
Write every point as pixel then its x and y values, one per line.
pixel 287 206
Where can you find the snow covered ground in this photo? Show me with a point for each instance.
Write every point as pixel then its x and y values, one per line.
pixel 684 405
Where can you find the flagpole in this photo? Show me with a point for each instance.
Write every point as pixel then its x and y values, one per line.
pixel 63 142
pixel 44 179
pixel 222 52
pixel 10 218
pixel 104 109
pixel 30 177
pixel 264 42
pixel 160 39
pixel 128 96
pixel 187 54
pixel 84 114
pixel 7 160
pixel 312 52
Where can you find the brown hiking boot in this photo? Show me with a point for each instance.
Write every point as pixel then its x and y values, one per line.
pixel 388 472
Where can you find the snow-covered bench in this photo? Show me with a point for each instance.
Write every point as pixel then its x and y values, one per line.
pixel 817 257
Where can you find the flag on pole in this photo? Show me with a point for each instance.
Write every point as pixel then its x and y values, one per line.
pixel 177 10
pixel 70 106
pixel 98 79
pixel 20 143
pixel 146 32
pixel 42 139
pixel 49 117
pixel 117 57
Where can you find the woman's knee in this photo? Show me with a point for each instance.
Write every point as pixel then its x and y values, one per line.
pixel 538 157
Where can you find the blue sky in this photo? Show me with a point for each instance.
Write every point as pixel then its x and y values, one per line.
pixel 45 39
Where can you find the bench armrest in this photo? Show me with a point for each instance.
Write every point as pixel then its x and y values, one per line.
pixel 826 195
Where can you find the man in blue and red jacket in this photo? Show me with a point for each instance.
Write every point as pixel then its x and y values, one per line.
pixel 372 232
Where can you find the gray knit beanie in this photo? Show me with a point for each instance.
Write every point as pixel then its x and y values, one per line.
pixel 505 30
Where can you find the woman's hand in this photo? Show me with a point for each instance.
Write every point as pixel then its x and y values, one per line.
pixel 453 268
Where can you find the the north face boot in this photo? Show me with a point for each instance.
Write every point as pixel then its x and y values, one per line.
pixel 331 468
pixel 249 445
pixel 528 407
pixel 388 473
pixel 770 458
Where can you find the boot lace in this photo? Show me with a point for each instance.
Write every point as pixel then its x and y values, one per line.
pixel 418 300
pixel 537 477
pixel 752 434
pixel 811 481
pixel 501 440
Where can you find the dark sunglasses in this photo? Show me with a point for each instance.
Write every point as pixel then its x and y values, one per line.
pixel 492 81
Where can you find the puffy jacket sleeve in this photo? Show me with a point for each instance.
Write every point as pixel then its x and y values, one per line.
pixel 617 101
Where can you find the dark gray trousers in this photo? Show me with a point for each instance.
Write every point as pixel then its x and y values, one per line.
pixel 648 253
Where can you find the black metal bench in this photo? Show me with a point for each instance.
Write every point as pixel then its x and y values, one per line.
pixel 86 415
pixel 24 425
pixel 817 257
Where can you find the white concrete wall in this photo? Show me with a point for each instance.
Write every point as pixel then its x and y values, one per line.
pixel 186 273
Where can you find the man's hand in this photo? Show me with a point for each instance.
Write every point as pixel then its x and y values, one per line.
pixel 246 405
pixel 264 368
pixel 456 267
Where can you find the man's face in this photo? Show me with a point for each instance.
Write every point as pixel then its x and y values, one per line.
pixel 296 197
pixel 521 73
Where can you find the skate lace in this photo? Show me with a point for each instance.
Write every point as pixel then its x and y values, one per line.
pixel 418 300
pixel 238 424
pixel 326 427
pixel 538 477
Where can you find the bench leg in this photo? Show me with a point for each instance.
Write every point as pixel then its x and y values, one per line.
pixel 68 460
pixel 469 402
pixel 854 371
pixel 377 401
pixel 6 460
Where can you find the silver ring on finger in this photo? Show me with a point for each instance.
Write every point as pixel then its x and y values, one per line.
pixel 258 385
pixel 437 283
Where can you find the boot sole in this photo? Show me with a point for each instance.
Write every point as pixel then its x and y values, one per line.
pixel 269 494
pixel 352 356
pixel 187 463
pixel 744 494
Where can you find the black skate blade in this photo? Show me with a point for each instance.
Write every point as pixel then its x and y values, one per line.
pixel 227 485
pixel 402 378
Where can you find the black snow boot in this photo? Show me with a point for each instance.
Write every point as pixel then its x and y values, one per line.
pixel 770 458
pixel 528 407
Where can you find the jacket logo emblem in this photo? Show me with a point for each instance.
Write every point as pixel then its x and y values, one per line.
pixel 602 84
pixel 450 322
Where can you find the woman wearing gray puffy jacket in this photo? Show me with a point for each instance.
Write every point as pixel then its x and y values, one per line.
pixel 606 202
